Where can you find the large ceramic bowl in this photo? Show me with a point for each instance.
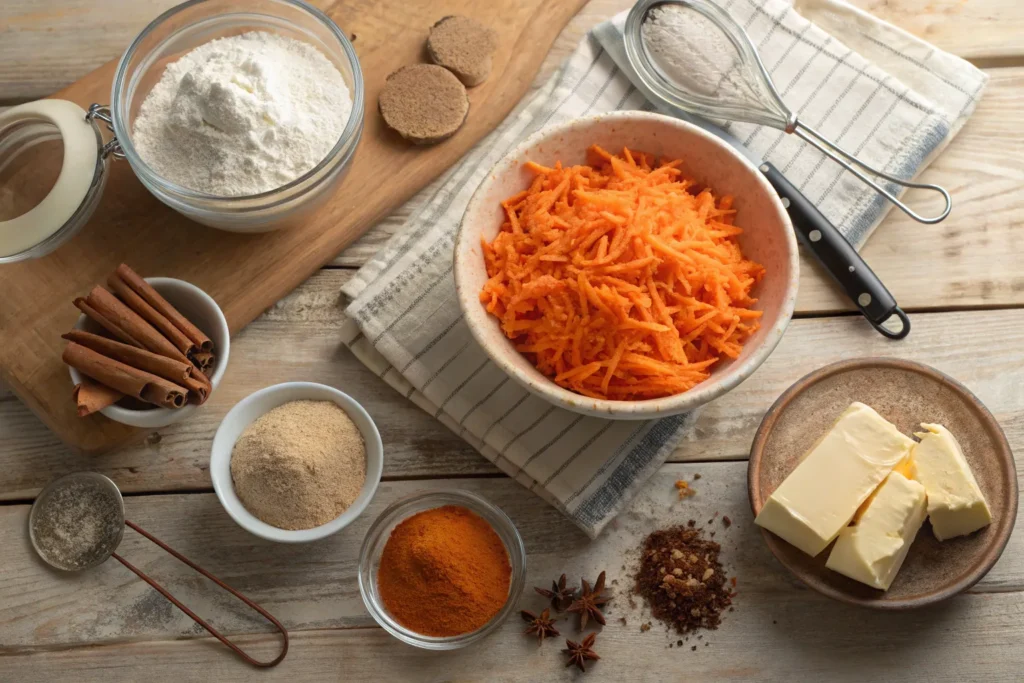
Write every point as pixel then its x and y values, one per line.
pixel 768 238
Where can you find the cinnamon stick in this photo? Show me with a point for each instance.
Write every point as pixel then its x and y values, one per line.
pixel 104 322
pixel 204 361
pixel 132 323
pixel 151 315
pixel 91 396
pixel 124 378
pixel 199 388
pixel 162 366
pixel 153 298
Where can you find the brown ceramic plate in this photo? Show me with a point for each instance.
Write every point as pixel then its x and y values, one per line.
pixel 906 394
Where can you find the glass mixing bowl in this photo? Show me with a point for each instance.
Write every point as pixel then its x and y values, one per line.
pixel 193 23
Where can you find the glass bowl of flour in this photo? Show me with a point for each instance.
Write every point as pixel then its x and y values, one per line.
pixel 241 116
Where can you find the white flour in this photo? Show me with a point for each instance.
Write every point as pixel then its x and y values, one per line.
pixel 242 115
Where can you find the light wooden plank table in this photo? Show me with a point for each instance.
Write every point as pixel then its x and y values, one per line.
pixel 961 279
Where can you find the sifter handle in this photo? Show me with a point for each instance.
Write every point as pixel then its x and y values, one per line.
pixel 199 620
pixel 851 163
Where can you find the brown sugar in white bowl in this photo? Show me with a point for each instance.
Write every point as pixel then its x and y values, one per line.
pixel 424 103
pixel 463 46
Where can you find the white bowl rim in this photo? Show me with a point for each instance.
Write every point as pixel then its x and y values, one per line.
pixel 153 418
pixel 649 408
pixel 223 486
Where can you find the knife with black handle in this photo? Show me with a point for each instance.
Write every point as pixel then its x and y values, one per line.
pixel 838 256
pixel 823 240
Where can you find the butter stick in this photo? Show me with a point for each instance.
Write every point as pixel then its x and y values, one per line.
pixel 956 505
pixel 872 551
pixel 823 493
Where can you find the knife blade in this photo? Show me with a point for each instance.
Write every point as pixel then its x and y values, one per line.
pixel 822 239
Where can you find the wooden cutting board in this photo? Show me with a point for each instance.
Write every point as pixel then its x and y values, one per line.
pixel 248 273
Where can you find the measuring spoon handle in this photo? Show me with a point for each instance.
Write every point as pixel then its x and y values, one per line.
pixel 838 257
pixel 199 620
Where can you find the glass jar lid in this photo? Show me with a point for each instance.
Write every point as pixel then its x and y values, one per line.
pixel 53 167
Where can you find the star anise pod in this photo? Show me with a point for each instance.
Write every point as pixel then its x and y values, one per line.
pixel 542 625
pixel 581 652
pixel 560 596
pixel 589 603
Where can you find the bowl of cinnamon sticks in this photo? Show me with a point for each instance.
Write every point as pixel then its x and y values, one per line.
pixel 146 352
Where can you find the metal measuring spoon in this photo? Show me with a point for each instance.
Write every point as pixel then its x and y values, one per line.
pixel 78 521
pixel 734 84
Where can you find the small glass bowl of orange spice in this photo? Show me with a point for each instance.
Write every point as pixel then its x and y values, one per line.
pixel 442 569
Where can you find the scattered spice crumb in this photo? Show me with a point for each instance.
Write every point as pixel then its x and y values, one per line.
pixel 154 438
pixel 732 609
pixel 679 642
pixel 712 534
pixel 684 489
pixel 691 523
pixel 706 643
pixel 693 649
pixel 353 37
pixel 774 622
pixel 645 627
pixel 696 476
pixel 623 620
pixel 733 581
pixel 726 521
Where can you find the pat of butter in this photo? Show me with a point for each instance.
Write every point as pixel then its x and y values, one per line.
pixel 822 494
pixel 873 550
pixel 956 505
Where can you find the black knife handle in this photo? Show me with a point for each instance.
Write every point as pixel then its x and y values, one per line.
pixel 838 256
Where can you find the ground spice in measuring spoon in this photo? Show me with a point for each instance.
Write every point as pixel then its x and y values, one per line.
pixel 444 572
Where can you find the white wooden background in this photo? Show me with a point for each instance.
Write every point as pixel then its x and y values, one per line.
pixel 962 281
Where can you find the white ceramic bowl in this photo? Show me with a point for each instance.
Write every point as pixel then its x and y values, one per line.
pixel 768 238
pixel 257 404
pixel 203 311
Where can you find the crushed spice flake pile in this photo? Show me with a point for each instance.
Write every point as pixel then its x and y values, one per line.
pixel 682 580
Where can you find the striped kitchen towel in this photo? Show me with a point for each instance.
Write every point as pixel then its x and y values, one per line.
pixel 892 98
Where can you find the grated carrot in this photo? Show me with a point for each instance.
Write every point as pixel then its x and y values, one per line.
pixel 618 279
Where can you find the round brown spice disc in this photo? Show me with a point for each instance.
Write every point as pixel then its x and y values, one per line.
pixel 424 103
pixel 464 46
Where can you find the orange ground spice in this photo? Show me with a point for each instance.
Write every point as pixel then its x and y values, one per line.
pixel 444 572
